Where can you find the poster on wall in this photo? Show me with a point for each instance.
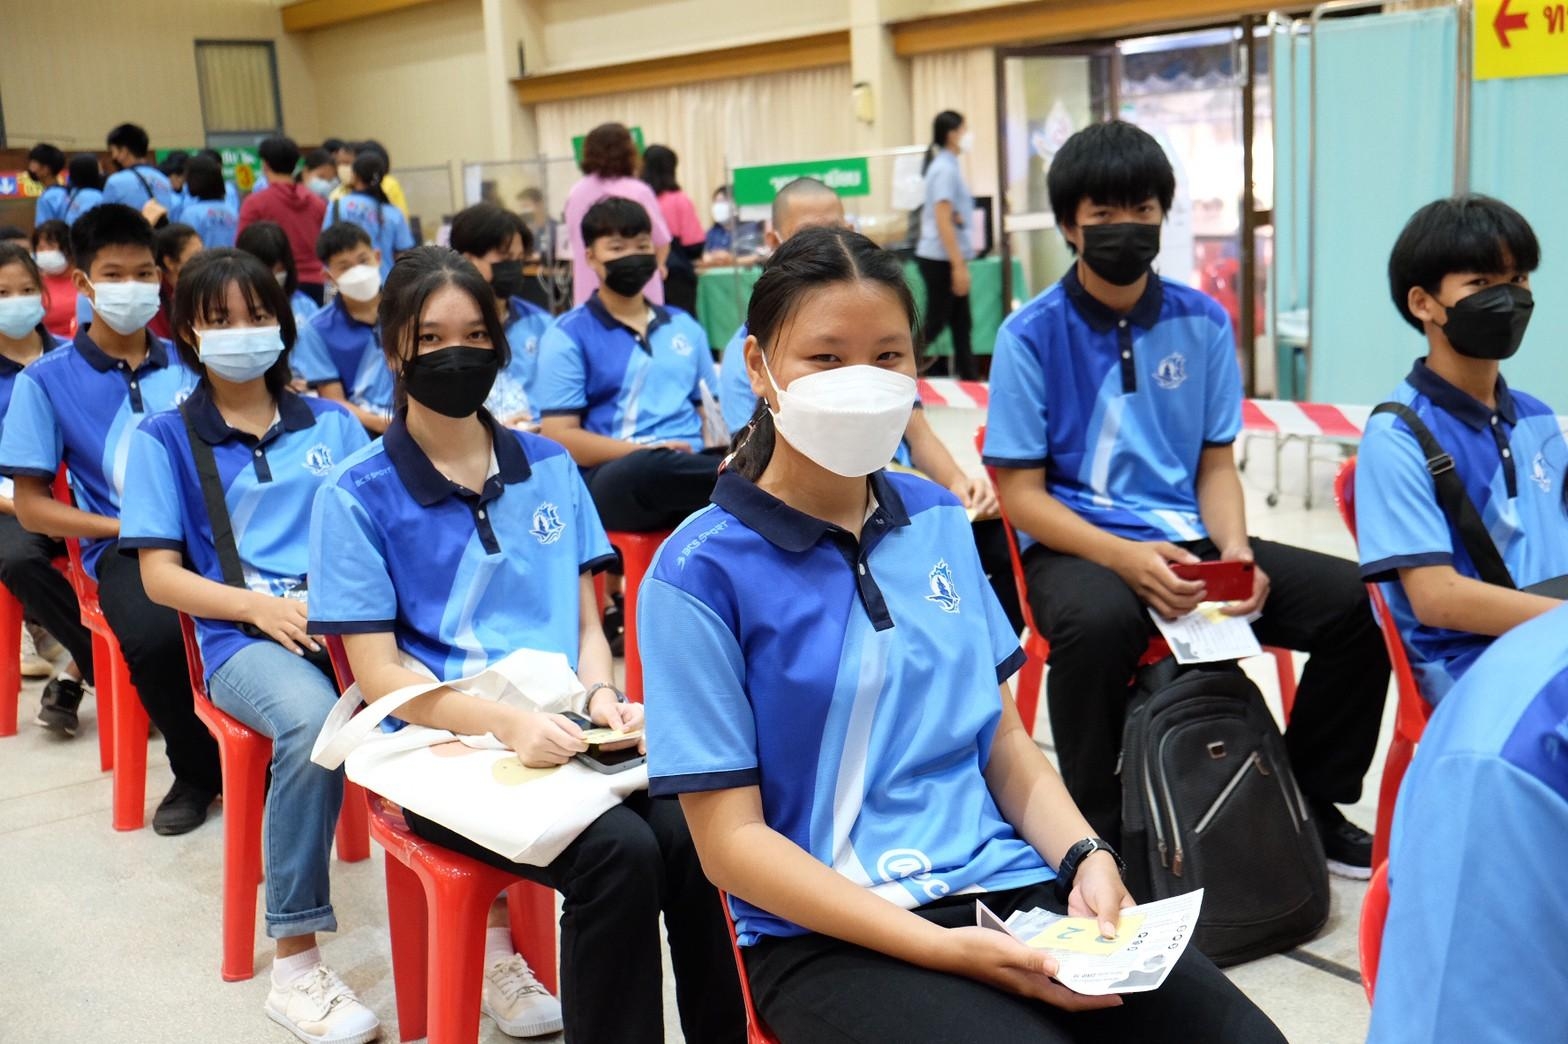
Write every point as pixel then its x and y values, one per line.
pixel 1516 38
pixel 241 165
pixel 14 185
pixel 756 186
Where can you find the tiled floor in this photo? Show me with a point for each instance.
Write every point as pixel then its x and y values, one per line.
pixel 115 937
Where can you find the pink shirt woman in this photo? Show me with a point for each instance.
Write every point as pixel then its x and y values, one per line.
pixel 609 164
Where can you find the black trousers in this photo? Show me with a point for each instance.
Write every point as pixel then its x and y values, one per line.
pixel 632 862
pixel 1098 629
pixel 997 561
pixel 149 636
pixel 28 572
pixel 317 292
pixel 814 989
pixel 652 489
pixel 946 310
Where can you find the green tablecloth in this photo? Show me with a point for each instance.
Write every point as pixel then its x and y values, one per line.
pixel 722 295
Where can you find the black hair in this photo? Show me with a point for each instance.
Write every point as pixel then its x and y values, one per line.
pixel 614 216
pixel 10 232
pixel 338 237
pixel 658 169
pixel 268 243
pixel 335 145
pixel 12 254
pixel 280 155
pixel 1115 164
pixel 83 172
pixel 800 188
pixel 942 125
pixel 130 137
pixel 174 163
pixel 417 274
pixel 318 158
pixel 1471 233
pixel 372 145
pixel 370 167
pixel 806 262
pixel 484 227
pixel 57 232
pixel 204 178
pixel 725 190
pixel 203 295
pixel 212 154
pixel 108 225
pixel 170 241
pixel 48 155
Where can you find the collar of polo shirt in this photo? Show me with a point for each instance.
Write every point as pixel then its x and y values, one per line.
pixel 428 486
pixel 98 359
pixel 1101 319
pixel 784 526
pixel 294 414
pixel 661 315
pixel 1458 403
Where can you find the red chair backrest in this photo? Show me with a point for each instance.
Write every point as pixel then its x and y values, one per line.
pixel 1374 912
pixel 756 1032
pixel 193 663
pixel 339 657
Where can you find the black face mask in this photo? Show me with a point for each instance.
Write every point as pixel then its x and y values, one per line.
pixel 506 278
pixel 1490 324
pixel 628 275
pixel 453 381
pixel 1120 254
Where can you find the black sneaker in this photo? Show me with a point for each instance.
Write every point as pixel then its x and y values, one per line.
pixel 183 809
pixel 1346 846
pixel 615 626
pixel 57 709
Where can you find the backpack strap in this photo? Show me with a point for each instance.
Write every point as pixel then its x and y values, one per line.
pixel 1452 498
pixel 336 211
pixel 217 508
pixel 145 186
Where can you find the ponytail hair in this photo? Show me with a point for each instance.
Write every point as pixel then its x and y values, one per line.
pixel 945 123
pixel 370 168
pixel 810 260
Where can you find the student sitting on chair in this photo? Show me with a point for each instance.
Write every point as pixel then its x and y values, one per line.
pixel 620 383
pixel 1115 403
pixel 246 447
pixel 268 243
pixel 396 538
pixel 1460 274
pixel 827 673
pixel 339 350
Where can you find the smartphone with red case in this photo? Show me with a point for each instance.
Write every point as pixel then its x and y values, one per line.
pixel 1224 581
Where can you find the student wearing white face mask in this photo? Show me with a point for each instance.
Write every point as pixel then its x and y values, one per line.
pixel 340 347
pixel 944 250
pixel 244 445
pixel 52 252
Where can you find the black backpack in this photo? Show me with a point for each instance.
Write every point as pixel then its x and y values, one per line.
pixel 1209 801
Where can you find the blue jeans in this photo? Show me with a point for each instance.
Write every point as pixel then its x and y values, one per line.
pixel 282 696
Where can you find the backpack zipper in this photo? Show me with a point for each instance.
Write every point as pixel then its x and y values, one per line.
pixel 1230 787
pixel 1170 807
pixel 1154 816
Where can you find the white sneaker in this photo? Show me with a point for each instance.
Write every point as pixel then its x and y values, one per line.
pixel 319 1008
pixel 33 665
pixel 515 1000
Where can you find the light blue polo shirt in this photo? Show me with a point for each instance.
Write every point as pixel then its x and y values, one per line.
pixel 9 370
pixel 1473 948
pixel 461 579
pixel 79 406
pixel 1512 460
pixel 268 486
pixel 854 682
pixel 383 223
pixel 80 201
pixel 944 183
pixel 334 346
pixel 1116 408
pixel 214 221
pixel 303 306
pixel 134 186
pixel 625 385
pixel 51 205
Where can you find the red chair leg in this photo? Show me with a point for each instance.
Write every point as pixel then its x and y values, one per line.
pixel 1285 671
pixel 407 921
pixel 1030 678
pixel 458 916
pixel 10 661
pixel 353 833
pixel 244 766
pixel 633 654
pixel 1399 754
pixel 130 746
pixel 103 701
pixel 531 909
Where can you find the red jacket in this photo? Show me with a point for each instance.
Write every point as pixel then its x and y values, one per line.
pixel 300 212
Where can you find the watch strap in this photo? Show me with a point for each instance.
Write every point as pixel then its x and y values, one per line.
pixel 1067 870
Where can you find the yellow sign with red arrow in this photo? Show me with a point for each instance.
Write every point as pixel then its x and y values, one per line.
pixel 1520 38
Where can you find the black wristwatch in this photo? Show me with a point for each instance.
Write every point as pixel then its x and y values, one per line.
pixel 1067 872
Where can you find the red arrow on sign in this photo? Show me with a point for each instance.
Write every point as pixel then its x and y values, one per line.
pixel 1508 22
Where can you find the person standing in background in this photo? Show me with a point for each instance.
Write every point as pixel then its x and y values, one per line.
pixel 368 206
pixel 320 174
pixel 299 210
pixel 609 167
pixel 44 165
pixel 943 251
pixel 686 232
pixel 135 182
pixel 84 187
pixel 206 211
pixel 52 253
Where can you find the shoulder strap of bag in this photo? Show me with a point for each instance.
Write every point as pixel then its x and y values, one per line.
pixel 344 730
pixel 1452 498
pixel 145 186
pixel 217 508
pixel 337 212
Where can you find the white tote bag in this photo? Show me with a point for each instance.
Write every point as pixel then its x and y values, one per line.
pixel 475 786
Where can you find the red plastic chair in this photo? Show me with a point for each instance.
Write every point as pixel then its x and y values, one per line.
pixel 1412 710
pixel 637 551
pixel 438 903
pixel 1374 912
pixel 244 756
pixel 756 1032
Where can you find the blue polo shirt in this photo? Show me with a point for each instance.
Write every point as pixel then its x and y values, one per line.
pixel 625 385
pixel 854 682
pixel 215 221
pixel 303 306
pixel 79 406
pixel 334 346
pixel 79 202
pixel 383 223
pixel 461 579
pixel 268 486
pixel 9 369
pixel 1512 460
pixel 134 186
pixel 1473 949
pixel 51 205
pixel 1116 408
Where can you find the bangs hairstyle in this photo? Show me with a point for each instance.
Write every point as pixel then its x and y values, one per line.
pixel 808 261
pixel 1113 164
pixel 108 225
pixel 417 275
pixel 54 231
pixel 1471 233
pixel 268 243
pixel 202 296
pixel 16 254
pixel 614 216
pixel 484 227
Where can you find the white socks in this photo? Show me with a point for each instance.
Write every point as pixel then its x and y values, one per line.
pixel 286 969
pixel 498 944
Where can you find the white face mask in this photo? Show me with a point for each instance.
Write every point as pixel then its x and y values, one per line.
pixel 849 420
pixel 321 186
pixel 50 262
pixel 360 283
pixel 966 141
pixel 19 316
pixel 240 354
pixel 127 306
pixel 722 212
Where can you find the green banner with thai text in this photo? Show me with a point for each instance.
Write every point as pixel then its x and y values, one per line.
pixel 758 185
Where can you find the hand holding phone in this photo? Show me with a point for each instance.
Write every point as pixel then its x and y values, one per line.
pixel 1222 581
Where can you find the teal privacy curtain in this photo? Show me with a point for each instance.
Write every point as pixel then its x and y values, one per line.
pixel 1518 153
pixel 1292 100
pixel 1386 88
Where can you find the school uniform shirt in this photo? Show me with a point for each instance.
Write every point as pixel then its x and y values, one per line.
pixel 80 201
pixel 79 406
pixel 460 578
pixel 51 205
pixel 334 346
pixel 9 369
pixel 1473 948
pixel 303 306
pixel 1512 460
pixel 642 388
pixel 383 223
pixel 268 487
pixel 1116 408
pixel 854 682
pixel 134 186
pixel 944 183
pixel 215 221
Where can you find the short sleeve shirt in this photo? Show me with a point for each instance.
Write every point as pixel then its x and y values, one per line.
pixel 334 346
pixel 1116 408
pixel 214 221
pixel 513 394
pixel 134 186
pixel 80 202
pixel 944 183
pixel 851 681
pixel 51 205
pixel 9 371
pixel 383 223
